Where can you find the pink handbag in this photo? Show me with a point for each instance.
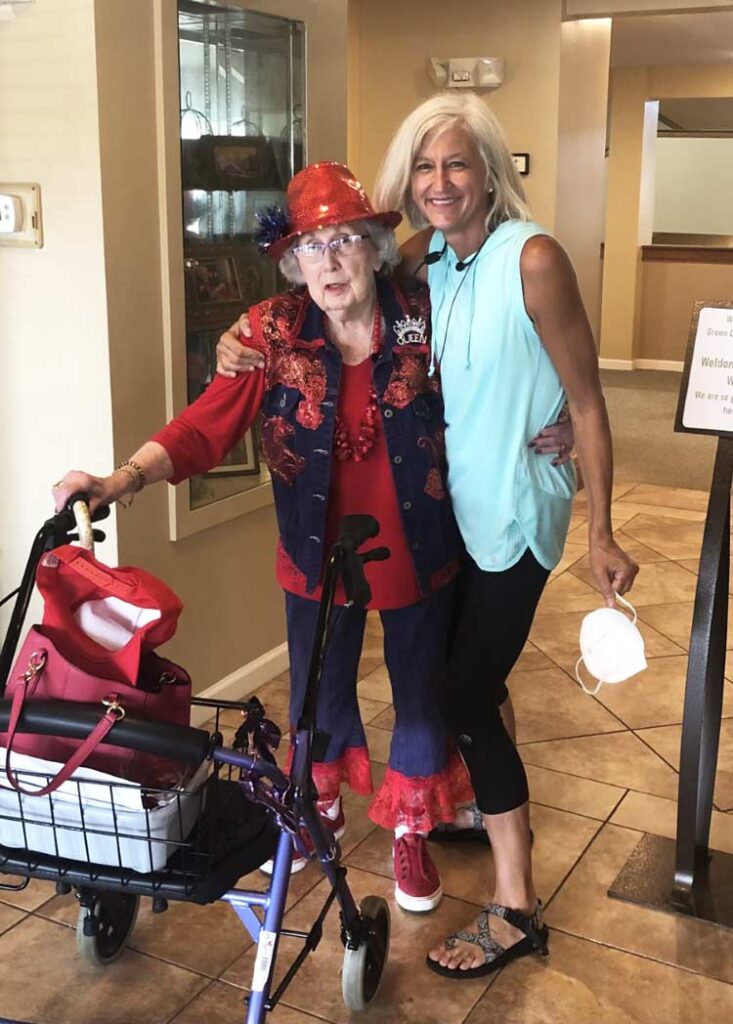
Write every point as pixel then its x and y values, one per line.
pixel 60 661
pixel 163 694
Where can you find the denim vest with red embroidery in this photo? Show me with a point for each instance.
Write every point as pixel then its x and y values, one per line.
pixel 302 377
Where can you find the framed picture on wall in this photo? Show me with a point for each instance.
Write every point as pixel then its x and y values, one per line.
pixel 257 275
pixel 211 280
pixel 242 460
pixel 241 162
pixel 521 162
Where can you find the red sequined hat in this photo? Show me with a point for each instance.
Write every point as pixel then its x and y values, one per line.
pixel 322 195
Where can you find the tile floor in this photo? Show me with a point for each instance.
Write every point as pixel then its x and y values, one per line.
pixel 602 770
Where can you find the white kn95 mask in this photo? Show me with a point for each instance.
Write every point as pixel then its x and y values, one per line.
pixel 611 646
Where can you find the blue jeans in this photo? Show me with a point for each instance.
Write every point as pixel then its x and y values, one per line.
pixel 415 652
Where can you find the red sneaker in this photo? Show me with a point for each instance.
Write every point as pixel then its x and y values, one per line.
pixel 337 825
pixel 417 880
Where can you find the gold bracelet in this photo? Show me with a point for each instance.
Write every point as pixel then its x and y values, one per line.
pixel 136 471
pixel 125 500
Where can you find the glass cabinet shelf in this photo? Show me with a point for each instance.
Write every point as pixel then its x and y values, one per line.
pixel 242 89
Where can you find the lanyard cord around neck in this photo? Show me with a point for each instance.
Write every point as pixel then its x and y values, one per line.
pixel 470 266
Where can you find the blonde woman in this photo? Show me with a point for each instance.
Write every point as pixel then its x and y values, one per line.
pixel 513 344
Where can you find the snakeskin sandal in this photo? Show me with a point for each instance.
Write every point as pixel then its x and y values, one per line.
pixel 496 956
pixel 447 832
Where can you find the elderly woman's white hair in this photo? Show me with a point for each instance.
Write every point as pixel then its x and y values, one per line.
pixel 447 110
pixel 382 237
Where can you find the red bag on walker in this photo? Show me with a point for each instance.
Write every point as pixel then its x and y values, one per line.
pixel 96 644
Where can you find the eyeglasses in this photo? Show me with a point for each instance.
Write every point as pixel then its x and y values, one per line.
pixel 342 245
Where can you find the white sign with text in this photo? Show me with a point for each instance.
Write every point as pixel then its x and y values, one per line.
pixel 709 399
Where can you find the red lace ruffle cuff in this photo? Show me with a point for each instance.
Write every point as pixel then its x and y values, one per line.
pixel 352 767
pixel 421 802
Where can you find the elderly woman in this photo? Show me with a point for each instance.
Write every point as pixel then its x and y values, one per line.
pixel 351 423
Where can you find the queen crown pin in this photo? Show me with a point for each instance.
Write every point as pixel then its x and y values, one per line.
pixel 410 331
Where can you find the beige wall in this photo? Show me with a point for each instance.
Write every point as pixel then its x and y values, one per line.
pixel 390 77
pixel 55 405
pixel 581 171
pixel 83 320
pixel 669 291
pixel 628 210
pixel 622 264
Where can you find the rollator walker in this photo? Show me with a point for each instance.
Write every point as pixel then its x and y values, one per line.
pixel 246 812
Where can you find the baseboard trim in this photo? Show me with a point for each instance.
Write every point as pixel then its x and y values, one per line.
pixel 616 364
pixel 243 680
pixel 671 365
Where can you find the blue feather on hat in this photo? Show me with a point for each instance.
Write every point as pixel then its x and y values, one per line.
pixel 273 224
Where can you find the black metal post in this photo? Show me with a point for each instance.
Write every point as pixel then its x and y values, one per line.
pixel 685 876
pixel 704 687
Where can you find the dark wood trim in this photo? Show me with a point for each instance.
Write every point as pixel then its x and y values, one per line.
pixel 670 124
pixel 685 254
pixel 696 133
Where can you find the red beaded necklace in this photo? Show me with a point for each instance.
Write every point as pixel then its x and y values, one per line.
pixel 344 449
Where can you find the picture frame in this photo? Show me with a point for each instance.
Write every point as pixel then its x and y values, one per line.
pixel 243 162
pixel 212 280
pixel 256 274
pixel 195 164
pixel 230 163
pixel 521 162
pixel 242 460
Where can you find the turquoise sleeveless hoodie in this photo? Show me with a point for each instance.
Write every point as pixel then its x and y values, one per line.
pixel 500 388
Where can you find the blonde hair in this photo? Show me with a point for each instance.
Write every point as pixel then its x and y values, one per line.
pixel 447 110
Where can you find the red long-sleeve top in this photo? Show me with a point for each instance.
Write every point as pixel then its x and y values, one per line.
pixel 199 438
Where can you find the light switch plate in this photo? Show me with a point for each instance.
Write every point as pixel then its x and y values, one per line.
pixel 31 233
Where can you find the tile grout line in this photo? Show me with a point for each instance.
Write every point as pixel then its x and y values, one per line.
pixel 577 861
pixel 565 810
pixel 618 804
pixel 25 917
pixel 649 747
pixel 601 782
pixel 177 1013
pixel 640 956
pixel 134 949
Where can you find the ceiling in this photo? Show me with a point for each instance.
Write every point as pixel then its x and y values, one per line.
pixel 672 39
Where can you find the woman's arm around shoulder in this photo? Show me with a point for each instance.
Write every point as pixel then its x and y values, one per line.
pixel 413 253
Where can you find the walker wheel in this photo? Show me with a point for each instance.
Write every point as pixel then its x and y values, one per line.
pixel 111 919
pixel 363 967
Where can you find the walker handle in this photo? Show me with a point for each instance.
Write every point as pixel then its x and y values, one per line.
pixel 79 504
pixel 354 530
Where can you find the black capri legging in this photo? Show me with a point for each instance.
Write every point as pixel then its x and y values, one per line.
pixel 494 612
